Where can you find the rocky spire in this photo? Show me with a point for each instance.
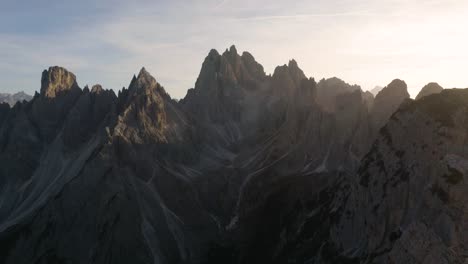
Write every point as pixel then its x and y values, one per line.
pixel 254 68
pixel 209 72
pixel 228 70
pixel 282 78
pixel 56 81
pixel 296 73
pixel 97 89
pixel 145 79
pixel 145 83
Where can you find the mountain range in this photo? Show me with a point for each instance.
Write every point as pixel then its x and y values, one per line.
pixel 11 99
pixel 247 168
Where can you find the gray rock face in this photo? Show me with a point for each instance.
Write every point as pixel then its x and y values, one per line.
pixel 406 203
pixel 431 88
pixel 247 168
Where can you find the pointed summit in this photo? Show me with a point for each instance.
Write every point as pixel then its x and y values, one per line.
pixel 97 89
pixel 56 81
pixel 144 74
pixel 431 88
pixel 233 49
pixel 288 76
pixel 293 64
pixel 213 53
pixel 143 81
pixel 388 101
pixel 397 84
pixel 296 73
pixel 396 89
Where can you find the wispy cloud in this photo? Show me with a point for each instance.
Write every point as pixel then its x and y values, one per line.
pixel 221 4
pixel 306 16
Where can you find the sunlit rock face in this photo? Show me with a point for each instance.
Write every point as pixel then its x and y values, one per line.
pixel 247 168
pixel 56 81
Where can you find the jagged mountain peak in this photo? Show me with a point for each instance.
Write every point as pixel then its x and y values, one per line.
pixel 430 88
pixel 146 78
pixel 396 84
pixel 388 100
pixel 292 63
pixel 296 73
pixel 282 74
pixel 246 166
pixel 396 88
pixel 229 69
pixel 97 89
pixel 233 49
pixel 335 82
pixel 213 53
pixel 292 69
pixel 56 81
pixel 329 89
pixel 231 52
pixel 144 82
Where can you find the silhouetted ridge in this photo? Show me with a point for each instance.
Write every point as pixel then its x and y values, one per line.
pixel 431 88
pixel 329 89
pixel 387 101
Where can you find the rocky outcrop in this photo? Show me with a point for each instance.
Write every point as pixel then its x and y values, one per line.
pixel 431 88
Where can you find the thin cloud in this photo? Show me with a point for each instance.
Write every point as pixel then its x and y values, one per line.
pixel 304 16
pixel 221 4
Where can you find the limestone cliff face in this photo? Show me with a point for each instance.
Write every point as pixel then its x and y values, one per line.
pixel 247 168
pixel 57 81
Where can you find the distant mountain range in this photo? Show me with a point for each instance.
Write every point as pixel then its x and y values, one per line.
pixel 247 168
pixel 11 99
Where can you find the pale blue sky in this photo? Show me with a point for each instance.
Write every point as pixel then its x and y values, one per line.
pixel 367 42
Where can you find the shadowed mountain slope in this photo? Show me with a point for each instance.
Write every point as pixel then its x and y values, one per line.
pixel 247 168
